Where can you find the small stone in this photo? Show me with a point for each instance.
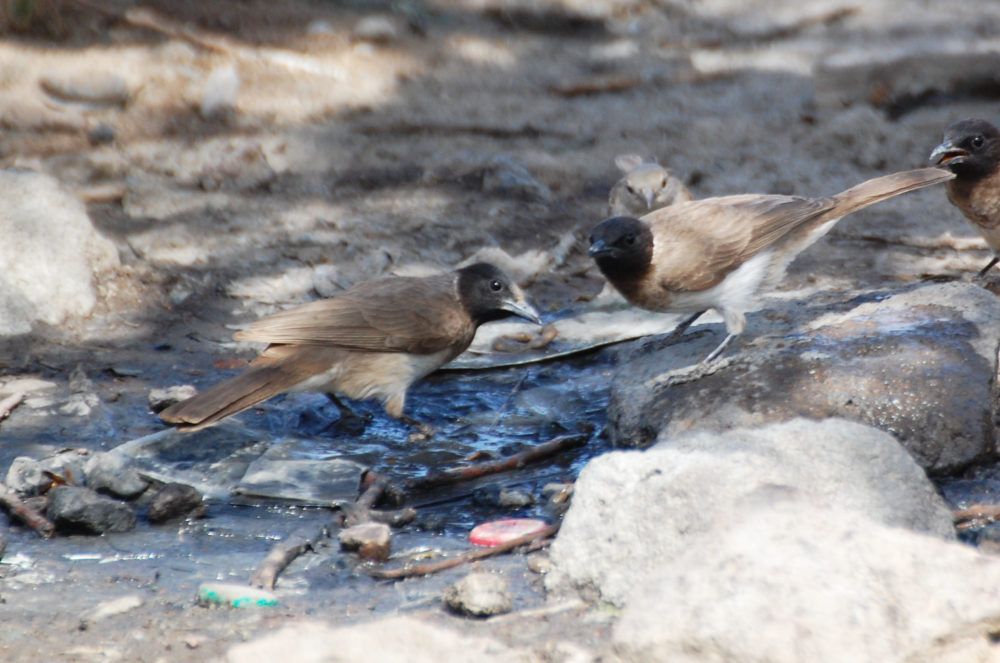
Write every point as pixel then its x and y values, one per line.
pixel 92 87
pixel 222 89
pixel 112 474
pixel 540 563
pixel 111 608
pixel 101 134
pixel 369 540
pixel 494 495
pixel 175 500
pixel 75 509
pixel 161 398
pixel 479 595
pixel 376 29
pixel 504 176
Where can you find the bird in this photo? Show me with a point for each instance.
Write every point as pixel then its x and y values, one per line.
pixel 971 150
pixel 720 253
pixel 372 341
pixel 644 187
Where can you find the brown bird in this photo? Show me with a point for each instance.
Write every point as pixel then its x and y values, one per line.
pixel 372 341
pixel 721 252
pixel 971 150
pixel 644 187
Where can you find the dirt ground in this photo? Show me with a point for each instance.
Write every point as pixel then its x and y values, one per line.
pixel 265 153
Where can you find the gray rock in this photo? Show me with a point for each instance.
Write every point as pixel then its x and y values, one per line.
pixel 479 594
pixel 396 639
pixel 503 176
pixel 369 540
pixel 75 509
pixel 101 88
pixel 783 581
pixel 376 29
pixel 920 364
pixel 160 398
pixel 50 254
pixel 506 498
pixel 175 500
pixel 28 476
pixel 113 474
pixel 632 510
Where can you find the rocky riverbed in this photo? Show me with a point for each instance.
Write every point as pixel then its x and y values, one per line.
pixel 168 176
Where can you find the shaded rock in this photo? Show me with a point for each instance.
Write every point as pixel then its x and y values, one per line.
pixel 175 500
pixel 784 581
pixel 113 474
pixel 75 509
pixel 50 254
pixel 160 398
pixel 479 595
pixel 376 29
pixel 28 476
pixel 395 639
pixel 632 510
pixel 507 498
pixel 920 364
pixel 369 540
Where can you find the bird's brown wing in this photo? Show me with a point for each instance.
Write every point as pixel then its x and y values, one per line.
pixel 697 243
pixel 415 315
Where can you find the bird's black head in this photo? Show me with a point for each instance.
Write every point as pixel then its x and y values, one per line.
pixel 622 247
pixel 971 149
pixel 487 294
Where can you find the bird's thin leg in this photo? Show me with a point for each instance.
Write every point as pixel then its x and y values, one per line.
pixel 988 267
pixel 718 351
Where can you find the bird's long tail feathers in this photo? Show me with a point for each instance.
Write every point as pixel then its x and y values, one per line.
pixel 253 386
pixel 877 189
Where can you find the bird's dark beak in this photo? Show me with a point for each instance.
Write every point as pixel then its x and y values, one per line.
pixel 598 248
pixel 946 153
pixel 519 306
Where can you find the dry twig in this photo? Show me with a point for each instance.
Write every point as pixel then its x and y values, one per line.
pixel 12 504
pixel 8 404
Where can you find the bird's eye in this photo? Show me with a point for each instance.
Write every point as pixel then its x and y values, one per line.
pixel 629 239
pixel 977 141
pixel 628 187
pixel 663 182
pixel 496 286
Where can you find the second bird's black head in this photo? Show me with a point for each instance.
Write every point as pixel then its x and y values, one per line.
pixel 971 149
pixel 488 294
pixel 622 247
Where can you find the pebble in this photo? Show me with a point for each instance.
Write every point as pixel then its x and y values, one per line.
pixel 75 509
pixel 101 134
pixel 494 495
pixel 112 474
pixel 504 176
pixel 175 500
pixel 110 608
pixel 479 595
pixel 160 398
pixel 235 595
pixel 102 88
pixel 376 29
pixel 369 540
pixel 222 89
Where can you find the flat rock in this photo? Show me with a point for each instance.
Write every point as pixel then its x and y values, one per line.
pixel 919 363
pixel 783 581
pixel 632 510
pixel 50 255
pixel 396 639
pixel 75 509
pixel 30 477
pixel 479 594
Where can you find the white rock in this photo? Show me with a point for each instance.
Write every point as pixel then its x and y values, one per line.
pixel 50 253
pixel 633 510
pixel 783 581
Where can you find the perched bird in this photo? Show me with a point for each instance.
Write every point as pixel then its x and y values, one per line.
pixel 372 341
pixel 971 150
pixel 721 252
pixel 644 187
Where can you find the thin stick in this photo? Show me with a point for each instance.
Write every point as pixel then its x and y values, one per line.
pixel 283 553
pixel 529 455
pixel 985 512
pixel 503 408
pixel 8 404
pixel 410 570
pixel 18 510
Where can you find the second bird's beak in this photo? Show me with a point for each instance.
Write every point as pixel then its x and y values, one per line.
pixel 519 306
pixel 650 197
pixel 946 152
pixel 597 248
